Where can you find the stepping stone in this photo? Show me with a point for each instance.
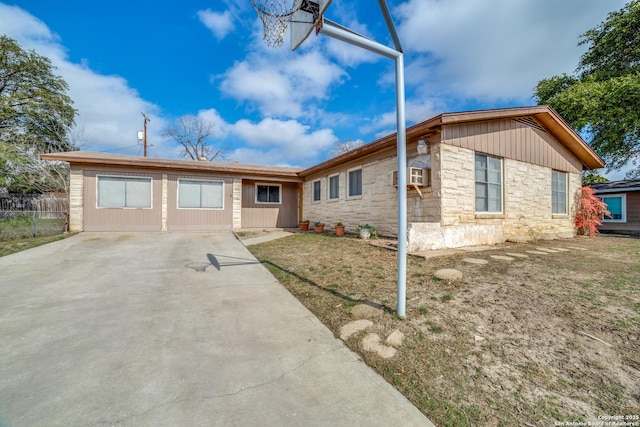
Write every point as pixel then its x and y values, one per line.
pixel 562 250
pixel 366 311
pixel 353 327
pixel 551 251
pixel 395 339
pixel 501 257
pixel 576 248
pixel 513 254
pixel 537 252
pixel 476 261
pixel 372 343
pixel 448 275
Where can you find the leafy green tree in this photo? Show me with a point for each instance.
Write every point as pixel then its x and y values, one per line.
pixel 601 100
pixel 592 178
pixel 36 116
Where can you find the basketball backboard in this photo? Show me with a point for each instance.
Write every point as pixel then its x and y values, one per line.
pixel 305 20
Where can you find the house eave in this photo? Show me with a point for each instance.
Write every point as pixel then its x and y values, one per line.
pixel 546 115
pixel 85 158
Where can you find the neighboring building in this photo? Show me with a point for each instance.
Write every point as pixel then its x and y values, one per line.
pixel 623 202
pixel 484 177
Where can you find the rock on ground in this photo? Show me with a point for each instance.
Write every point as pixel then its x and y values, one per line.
pixel 372 343
pixel 448 274
pixel 366 311
pixel 353 327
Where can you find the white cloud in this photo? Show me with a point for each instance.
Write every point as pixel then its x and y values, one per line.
pixel 281 142
pixel 220 126
pixel 220 23
pixel 281 85
pixel 495 51
pixel 109 110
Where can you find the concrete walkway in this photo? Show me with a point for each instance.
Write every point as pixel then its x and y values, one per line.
pixel 168 329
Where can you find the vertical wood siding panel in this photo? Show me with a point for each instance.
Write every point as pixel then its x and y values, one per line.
pixel 256 215
pixel 512 140
pixel 122 219
pixel 633 208
pixel 199 219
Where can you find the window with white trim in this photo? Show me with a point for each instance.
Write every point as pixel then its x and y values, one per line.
pixel 334 187
pixel 124 192
pixel 317 191
pixel 268 193
pixel 617 207
pixel 200 194
pixel 488 172
pixel 558 193
pixel 354 182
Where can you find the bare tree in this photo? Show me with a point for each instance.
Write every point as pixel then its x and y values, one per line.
pixel 191 134
pixel 347 146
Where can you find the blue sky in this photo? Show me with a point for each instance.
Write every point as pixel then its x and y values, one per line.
pixel 273 106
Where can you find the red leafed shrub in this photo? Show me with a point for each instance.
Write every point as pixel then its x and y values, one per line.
pixel 590 212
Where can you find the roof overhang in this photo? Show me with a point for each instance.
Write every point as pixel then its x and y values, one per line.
pixel 544 114
pixel 90 158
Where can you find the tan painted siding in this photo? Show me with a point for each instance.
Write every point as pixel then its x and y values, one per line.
pixel 512 140
pixel 105 219
pixel 284 214
pixel 198 219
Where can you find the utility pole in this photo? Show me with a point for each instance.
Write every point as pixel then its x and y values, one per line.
pixel 144 137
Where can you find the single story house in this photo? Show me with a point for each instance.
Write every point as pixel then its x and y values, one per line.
pixel 477 177
pixel 111 192
pixel 623 202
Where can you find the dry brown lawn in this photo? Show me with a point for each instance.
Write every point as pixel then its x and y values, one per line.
pixel 533 341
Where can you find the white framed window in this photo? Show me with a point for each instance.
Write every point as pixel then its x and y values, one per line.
pixel 317 187
pixel 200 194
pixel 268 193
pixel 354 182
pixel 617 207
pixel 488 171
pixel 558 193
pixel 334 187
pixel 124 192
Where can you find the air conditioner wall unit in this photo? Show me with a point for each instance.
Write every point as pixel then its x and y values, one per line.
pixel 415 176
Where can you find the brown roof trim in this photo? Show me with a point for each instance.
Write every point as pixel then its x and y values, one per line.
pixel 544 113
pixel 105 159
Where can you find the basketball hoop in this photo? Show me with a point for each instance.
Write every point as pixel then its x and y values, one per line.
pixel 275 16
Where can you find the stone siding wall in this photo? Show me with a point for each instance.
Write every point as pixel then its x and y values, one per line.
pixel 76 197
pixel 526 204
pixel 445 216
pixel 378 205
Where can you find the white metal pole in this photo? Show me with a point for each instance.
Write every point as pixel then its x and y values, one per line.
pixel 339 32
pixel 401 140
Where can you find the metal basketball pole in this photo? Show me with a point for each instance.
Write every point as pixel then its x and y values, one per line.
pixel 339 32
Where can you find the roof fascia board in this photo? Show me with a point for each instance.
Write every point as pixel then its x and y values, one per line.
pixel 149 163
pixel 617 190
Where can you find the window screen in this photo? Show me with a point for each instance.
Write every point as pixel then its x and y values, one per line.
pixel 267 193
pixel 197 194
pixel 334 187
pixel 316 191
pixel 355 182
pixel 558 192
pixel 488 183
pixel 124 192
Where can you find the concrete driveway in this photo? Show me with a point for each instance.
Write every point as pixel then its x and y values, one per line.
pixel 168 329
